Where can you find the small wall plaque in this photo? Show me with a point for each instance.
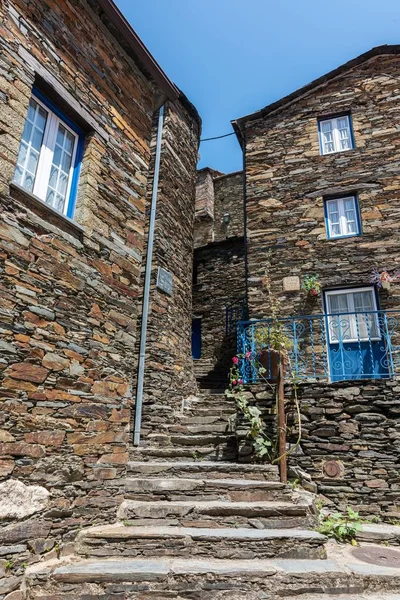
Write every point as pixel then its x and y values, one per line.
pixel 291 284
pixel 165 281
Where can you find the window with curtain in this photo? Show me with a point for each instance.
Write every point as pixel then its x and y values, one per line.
pixel 351 315
pixel 49 156
pixel 335 135
pixel 342 217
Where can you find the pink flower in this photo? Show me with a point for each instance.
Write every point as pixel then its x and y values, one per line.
pixel 234 382
pixel 247 355
pixel 240 381
pixel 235 360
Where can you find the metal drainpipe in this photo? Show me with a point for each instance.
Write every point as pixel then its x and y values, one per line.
pixel 147 282
pixel 246 265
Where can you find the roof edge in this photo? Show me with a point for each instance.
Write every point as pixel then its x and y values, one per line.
pixel 297 94
pixel 146 61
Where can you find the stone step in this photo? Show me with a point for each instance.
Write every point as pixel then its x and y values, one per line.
pixel 215 579
pixel 177 440
pixel 198 469
pixel 204 419
pixel 220 427
pixel 181 489
pixel 221 413
pixel 210 401
pixel 333 596
pixel 258 515
pixel 241 543
pixel 210 453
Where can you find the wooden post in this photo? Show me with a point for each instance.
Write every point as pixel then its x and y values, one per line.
pixel 282 421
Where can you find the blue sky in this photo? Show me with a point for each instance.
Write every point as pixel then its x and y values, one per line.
pixel 232 57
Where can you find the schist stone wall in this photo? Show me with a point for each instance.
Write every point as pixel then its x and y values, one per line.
pixel 350 441
pixel 70 291
pixel 169 376
pixel 219 266
pixel 287 180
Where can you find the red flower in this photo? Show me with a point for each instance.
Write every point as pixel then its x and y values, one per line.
pixel 235 360
pixel 234 382
pixel 240 381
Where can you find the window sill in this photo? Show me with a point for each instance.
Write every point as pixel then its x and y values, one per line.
pixel 46 212
pixel 336 152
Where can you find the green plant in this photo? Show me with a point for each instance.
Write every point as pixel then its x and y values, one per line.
pixel 339 526
pixel 9 565
pixel 294 484
pixel 312 285
pixel 197 455
pixel 58 549
pixel 272 337
pixel 262 443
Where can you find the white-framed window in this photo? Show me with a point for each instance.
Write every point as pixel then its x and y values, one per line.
pixel 335 135
pixel 351 315
pixel 47 155
pixel 342 217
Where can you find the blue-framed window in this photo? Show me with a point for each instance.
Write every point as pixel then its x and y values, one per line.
pixel 50 155
pixel 342 217
pixel 335 134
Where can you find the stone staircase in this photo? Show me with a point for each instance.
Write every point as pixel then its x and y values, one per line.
pixel 204 429
pixel 197 527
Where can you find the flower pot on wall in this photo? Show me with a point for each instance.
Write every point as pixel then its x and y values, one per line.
pixel 385 285
pixel 270 360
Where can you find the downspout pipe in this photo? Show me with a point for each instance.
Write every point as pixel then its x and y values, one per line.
pixel 147 283
pixel 246 266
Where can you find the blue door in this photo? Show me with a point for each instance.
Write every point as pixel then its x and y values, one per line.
pixel 196 338
pixel 356 346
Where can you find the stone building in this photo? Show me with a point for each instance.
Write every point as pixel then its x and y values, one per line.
pixel 219 276
pixel 98 152
pixel 322 201
pixel 80 98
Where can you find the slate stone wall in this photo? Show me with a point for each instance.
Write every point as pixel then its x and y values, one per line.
pixel 356 425
pixel 220 281
pixel 169 376
pixel 70 291
pixel 219 264
pixel 287 179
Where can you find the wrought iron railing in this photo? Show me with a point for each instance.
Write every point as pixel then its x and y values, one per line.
pixel 331 347
pixel 235 312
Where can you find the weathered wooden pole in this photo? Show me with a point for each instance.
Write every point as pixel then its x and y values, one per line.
pixel 282 421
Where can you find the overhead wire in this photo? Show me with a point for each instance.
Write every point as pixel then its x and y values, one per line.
pixel 218 137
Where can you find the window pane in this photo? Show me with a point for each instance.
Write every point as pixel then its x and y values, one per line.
pixel 60 169
pixel 326 126
pixel 31 143
pixel 327 136
pixel 340 326
pixel 344 133
pixel 364 303
pixel 333 216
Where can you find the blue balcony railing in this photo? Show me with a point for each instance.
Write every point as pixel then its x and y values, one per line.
pixel 235 312
pixel 331 347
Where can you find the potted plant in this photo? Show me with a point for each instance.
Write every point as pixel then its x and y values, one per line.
pixel 272 346
pixel 383 279
pixel 312 285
